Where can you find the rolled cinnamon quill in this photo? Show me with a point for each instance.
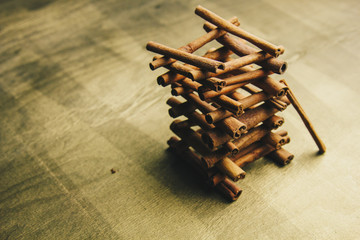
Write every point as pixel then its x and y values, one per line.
pixel 274 122
pixel 181 109
pixel 201 62
pixel 177 91
pixel 190 84
pixel 194 116
pixel 215 84
pixel 180 68
pixel 238 47
pixel 198 75
pixel 245 77
pixel 231 147
pixel 190 136
pixel 228 103
pixel 305 119
pixel 217 115
pixel 181 148
pixel 254 155
pixel 191 47
pixel 229 190
pixel 228 89
pixel 274 140
pixel 281 156
pixel 218 177
pixel 230 125
pixel 167 78
pixel 260 151
pixel 230 169
pixel 223 24
pixel 254 116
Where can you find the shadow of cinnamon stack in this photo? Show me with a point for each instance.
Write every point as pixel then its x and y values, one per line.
pixel 228 112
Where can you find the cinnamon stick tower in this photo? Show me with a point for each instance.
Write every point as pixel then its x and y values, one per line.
pixel 229 103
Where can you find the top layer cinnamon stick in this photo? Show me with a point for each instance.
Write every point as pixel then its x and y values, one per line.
pixel 201 62
pixel 223 24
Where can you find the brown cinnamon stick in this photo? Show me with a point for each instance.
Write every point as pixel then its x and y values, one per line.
pixel 230 169
pixel 274 122
pixel 169 77
pixel 230 125
pixel 254 116
pixel 190 137
pixel 245 77
pixel 182 149
pixel 251 136
pixel 201 62
pixel 229 104
pixel 193 46
pixel 232 148
pixel 194 116
pixel 281 156
pixel 211 94
pixel 229 189
pixel 198 75
pixel 240 48
pixel 223 24
pixel 217 115
pixel 260 151
pixel 181 109
pixel 305 119
pixel 254 155
pixel 218 177
pixel 274 140
pixel 215 84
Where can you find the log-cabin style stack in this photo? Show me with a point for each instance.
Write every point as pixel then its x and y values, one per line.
pixel 228 113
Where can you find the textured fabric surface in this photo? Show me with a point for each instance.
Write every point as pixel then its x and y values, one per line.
pixel 77 99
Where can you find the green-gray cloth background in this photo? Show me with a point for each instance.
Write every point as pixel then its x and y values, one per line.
pixel 77 99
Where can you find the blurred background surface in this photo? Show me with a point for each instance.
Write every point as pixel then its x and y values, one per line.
pixel 77 99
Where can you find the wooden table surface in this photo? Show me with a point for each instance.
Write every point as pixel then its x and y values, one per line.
pixel 77 98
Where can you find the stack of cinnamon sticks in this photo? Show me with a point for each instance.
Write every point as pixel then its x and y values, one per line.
pixel 228 113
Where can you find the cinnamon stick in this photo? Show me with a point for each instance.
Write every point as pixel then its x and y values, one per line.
pixel 245 77
pixel 251 136
pixel 190 136
pixel 215 84
pixel 198 75
pixel 193 46
pixel 230 169
pixel 281 156
pixel 218 177
pixel 239 48
pixel 258 152
pixel 305 119
pixel 211 94
pixel 180 68
pixel 167 78
pixel 217 115
pixel 223 24
pixel 201 62
pixel 181 109
pixel 229 104
pixel 181 148
pixel 194 116
pixel 229 189
pixel 254 116
pixel 254 155
pixel 274 140
pixel 232 148
pixel 230 125
pixel 274 122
